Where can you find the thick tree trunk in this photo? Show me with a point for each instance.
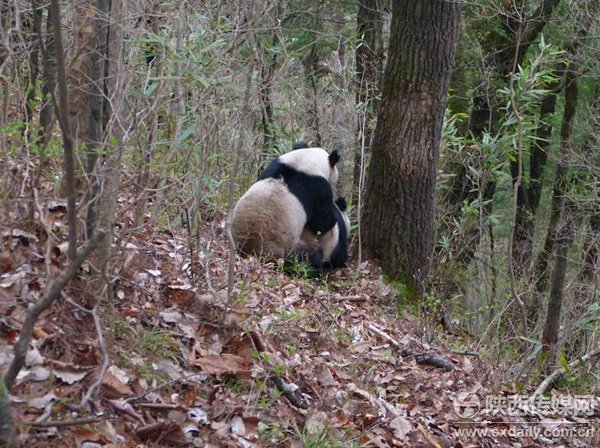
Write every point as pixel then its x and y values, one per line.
pixel 398 217
pixel 369 61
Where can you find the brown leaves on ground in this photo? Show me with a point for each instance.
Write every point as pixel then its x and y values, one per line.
pixel 286 362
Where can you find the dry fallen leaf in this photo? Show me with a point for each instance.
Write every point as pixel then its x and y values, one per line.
pixel 114 387
pixel 163 433
pixel 401 427
pixel 70 376
pixel 225 363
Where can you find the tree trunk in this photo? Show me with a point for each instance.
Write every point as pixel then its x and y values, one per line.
pixel 552 325
pixel 591 248
pixel 369 61
pixel 62 99
pixel 34 64
pixel 541 271
pixel 265 93
pixel 399 206
pixel 529 198
pixel 114 133
pixel 48 83
pixel 97 104
pixel 530 191
pixel 8 433
pixel 147 153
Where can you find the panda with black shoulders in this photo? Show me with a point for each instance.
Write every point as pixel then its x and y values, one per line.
pixel 292 199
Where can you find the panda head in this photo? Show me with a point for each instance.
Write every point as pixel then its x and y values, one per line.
pixel 324 252
pixel 334 244
pixel 307 161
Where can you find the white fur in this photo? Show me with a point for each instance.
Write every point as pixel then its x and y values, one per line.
pixel 268 219
pixel 313 161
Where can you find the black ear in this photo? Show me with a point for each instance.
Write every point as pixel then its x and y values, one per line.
pixel 334 158
pixel 341 203
pixel 299 145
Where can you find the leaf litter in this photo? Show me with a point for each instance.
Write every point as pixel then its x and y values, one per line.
pixel 286 362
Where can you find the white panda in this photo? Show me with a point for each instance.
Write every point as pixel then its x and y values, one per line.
pixel 294 191
pixel 328 251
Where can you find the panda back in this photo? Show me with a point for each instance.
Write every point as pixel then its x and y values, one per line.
pixel 268 219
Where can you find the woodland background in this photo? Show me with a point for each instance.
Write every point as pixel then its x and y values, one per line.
pixel 129 128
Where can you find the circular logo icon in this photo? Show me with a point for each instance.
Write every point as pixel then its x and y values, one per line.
pixel 466 405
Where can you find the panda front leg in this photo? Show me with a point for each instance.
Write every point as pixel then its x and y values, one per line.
pixel 307 254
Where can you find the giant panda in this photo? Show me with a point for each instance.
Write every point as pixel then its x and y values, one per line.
pixel 330 250
pixel 294 192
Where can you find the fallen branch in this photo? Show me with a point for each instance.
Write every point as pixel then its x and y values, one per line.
pixel 53 294
pixel 64 423
pixel 383 406
pixel 421 358
pixel 357 298
pixel 554 376
pixel 289 392
pixel 430 438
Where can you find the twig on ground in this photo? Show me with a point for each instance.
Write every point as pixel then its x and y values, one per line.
pixel 421 358
pixel 289 392
pixel 554 376
pixel 383 406
pixel 64 423
pixel 98 325
pixel 53 294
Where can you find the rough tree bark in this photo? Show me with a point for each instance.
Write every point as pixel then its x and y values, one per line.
pixel 369 62
pixel 398 216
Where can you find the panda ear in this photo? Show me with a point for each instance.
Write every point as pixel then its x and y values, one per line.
pixel 334 158
pixel 341 203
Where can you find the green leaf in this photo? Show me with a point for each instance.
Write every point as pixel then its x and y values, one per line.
pixel 186 133
pixel 151 88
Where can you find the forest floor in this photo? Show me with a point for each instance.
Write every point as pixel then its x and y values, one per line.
pixel 286 362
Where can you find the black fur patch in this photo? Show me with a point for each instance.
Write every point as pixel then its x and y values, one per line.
pixel 341 203
pixel 339 257
pixel 299 145
pixel 334 158
pixel 313 192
